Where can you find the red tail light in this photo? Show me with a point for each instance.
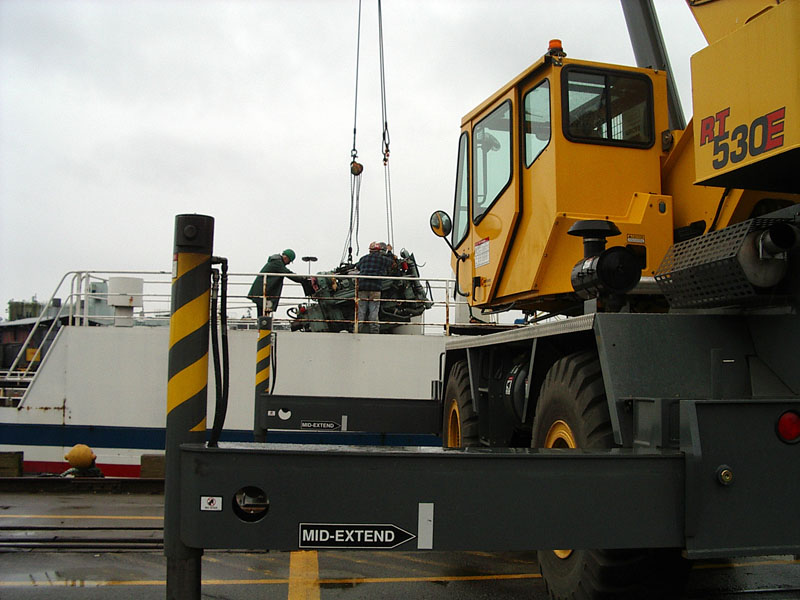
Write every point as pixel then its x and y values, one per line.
pixel 789 427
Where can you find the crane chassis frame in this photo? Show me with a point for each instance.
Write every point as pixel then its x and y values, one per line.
pixel 692 475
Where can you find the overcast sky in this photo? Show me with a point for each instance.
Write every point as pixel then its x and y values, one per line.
pixel 115 116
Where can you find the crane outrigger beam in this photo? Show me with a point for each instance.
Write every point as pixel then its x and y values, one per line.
pixel 295 496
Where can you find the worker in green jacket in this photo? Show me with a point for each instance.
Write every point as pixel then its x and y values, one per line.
pixel 274 285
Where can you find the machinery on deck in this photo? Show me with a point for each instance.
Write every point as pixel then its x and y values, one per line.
pixel 650 412
pixel 333 306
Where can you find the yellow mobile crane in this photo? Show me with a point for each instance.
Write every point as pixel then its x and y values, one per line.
pixel 573 155
pixel 569 141
pixel 650 411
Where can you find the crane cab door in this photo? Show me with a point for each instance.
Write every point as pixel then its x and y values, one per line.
pixel 461 240
pixel 500 147
pixel 487 201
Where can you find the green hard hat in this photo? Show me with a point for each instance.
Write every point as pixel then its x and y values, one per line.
pixel 290 254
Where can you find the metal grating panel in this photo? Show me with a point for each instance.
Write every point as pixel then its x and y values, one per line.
pixel 705 272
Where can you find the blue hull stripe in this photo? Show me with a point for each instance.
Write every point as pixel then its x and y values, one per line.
pixel 152 438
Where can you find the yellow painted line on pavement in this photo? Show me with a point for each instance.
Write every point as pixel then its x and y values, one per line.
pixel 133 582
pixel 298 584
pixel 304 575
pixel 432 578
pixel 303 569
pixel 113 517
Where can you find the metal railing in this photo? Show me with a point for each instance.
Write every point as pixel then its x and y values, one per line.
pixel 84 304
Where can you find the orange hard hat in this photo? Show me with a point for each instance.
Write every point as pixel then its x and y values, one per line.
pixel 80 456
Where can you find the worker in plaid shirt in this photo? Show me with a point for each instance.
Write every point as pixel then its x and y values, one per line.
pixel 375 263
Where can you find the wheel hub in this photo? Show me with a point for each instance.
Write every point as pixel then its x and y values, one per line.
pixel 453 426
pixel 560 435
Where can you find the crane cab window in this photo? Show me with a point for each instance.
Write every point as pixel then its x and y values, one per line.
pixel 491 159
pixel 536 107
pixel 461 205
pixel 607 107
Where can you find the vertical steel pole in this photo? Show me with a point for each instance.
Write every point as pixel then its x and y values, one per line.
pixel 186 388
pixel 263 358
pixel 355 306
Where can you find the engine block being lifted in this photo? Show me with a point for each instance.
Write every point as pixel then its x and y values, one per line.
pixel 333 293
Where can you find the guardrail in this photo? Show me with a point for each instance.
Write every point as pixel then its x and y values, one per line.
pixel 85 303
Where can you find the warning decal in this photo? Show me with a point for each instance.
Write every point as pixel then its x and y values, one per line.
pixel 211 503
pixel 327 535
pixel 320 425
pixel 482 252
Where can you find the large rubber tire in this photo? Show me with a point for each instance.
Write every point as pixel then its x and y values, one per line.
pixel 572 412
pixel 460 424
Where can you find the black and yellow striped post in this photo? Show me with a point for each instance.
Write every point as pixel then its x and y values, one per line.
pixel 187 387
pixel 263 359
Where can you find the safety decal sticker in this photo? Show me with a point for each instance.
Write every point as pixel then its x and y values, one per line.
pixel 283 415
pixel 211 503
pixel 482 252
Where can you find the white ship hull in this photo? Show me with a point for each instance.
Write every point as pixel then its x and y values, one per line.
pixel 106 387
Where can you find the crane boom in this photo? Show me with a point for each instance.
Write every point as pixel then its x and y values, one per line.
pixel 650 51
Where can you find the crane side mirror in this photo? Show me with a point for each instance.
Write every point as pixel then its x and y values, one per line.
pixel 441 224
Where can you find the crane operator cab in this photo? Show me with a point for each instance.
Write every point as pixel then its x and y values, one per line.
pixel 567 142
pixel 572 156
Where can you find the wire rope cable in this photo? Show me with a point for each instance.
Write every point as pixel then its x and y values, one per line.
pixel 386 138
pixel 354 152
pixel 355 168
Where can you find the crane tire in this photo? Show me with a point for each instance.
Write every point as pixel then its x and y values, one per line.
pixel 460 424
pixel 572 411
